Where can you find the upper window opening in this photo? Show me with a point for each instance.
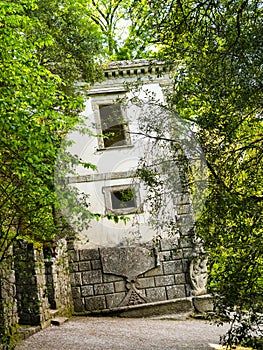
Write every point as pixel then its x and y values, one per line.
pixel 112 125
pixel 123 199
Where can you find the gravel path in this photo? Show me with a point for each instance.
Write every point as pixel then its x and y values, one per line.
pixel 93 333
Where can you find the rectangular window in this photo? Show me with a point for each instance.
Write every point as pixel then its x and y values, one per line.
pixel 112 125
pixel 122 199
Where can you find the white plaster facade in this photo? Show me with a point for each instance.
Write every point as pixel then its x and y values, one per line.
pixel 116 163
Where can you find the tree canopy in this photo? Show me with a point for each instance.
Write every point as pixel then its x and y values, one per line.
pixel 217 49
pixel 38 105
pixel 127 27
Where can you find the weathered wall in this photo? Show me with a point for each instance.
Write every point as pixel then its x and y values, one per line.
pixel 115 165
pixel 94 289
pixel 31 285
pixel 8 305
pixel 31 296
pixel 58 278
pixel 111 266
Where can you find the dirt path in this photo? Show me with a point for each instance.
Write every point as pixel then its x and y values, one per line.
pixel 86 333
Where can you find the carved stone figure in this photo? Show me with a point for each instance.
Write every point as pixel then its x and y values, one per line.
pixel 129 262
pixel 198 274
pixel 133 297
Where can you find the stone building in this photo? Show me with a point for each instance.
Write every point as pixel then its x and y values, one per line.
pixel 121 266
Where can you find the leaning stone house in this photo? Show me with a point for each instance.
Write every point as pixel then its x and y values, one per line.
pixel 122 268
pixel 111 268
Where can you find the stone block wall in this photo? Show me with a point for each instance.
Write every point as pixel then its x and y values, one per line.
pixel 93 289
pixel 8 305
pixel 58 278
pixel 31 296
pixel 42 283
pixel 27 276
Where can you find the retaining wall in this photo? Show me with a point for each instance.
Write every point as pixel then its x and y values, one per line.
pixel 167 278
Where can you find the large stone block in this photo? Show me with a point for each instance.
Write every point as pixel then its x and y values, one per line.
pixel 89 254
pixel 146 282
pixel 180 278
pixel 95 303
pixel 84 266
pixel 120 286
pixel 96 264
pixel 171 267
pixel 75 279
pixel 87 291
pixel 156 294
pixel 174 292
pixel 91 277
pixel 164 280
pixel 104 288
pixel 79 305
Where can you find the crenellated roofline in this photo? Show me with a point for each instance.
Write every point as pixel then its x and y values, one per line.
pixel 118 73
pixel 135 67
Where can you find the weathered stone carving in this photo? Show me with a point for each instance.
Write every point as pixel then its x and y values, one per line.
pixel 129 262
pixel 198 274
pixel 133 296
pixel 198 268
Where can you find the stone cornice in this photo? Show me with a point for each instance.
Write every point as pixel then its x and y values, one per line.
pixel 118 73
pixel 134 68
pixel 101 177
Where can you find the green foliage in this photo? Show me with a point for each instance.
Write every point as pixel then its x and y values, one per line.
pixel 38 105
pixel 215 48
pixel 126 27
pixel 71 42
pixel 218 88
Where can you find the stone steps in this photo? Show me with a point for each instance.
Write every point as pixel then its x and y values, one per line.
pixel 58 321
pixel 53 313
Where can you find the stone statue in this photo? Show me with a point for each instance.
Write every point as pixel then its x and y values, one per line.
pixel 198 274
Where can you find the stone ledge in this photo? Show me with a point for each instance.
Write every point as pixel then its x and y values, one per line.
pixel 58 321
pixel 26 331
pixel 180 306
pixel 203 303
pixel 173 306
pixel 53 312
